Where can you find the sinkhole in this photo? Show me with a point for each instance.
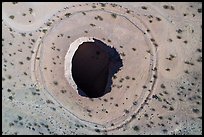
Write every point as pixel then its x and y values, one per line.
pixel 92 67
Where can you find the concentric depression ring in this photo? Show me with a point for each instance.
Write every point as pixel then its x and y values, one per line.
pixel 112 24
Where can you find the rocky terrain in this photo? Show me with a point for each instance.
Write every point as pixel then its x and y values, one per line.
pixel 156 90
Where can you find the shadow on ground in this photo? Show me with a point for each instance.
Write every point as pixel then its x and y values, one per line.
pixel 93 66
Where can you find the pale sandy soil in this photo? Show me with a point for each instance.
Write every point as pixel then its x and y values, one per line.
pixel 157 91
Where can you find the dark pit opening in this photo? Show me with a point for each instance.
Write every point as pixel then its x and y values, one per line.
pixel 93 65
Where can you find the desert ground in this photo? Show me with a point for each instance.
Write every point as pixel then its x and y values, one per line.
pixel 156 90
